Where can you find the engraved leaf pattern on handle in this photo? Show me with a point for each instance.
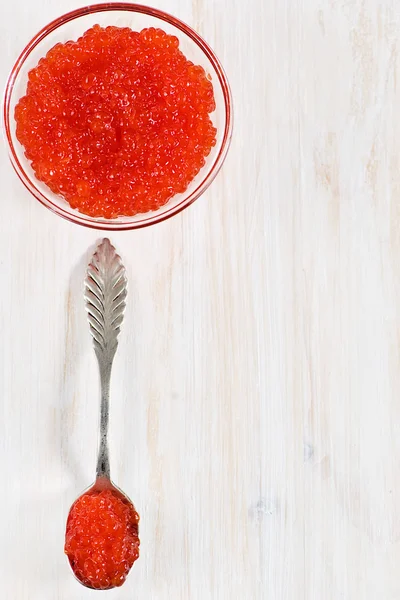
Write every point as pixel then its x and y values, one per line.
pixel 105 294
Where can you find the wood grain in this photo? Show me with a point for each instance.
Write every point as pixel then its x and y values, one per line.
pixel 256 415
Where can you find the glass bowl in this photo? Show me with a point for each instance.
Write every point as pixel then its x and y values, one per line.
pixel 70 27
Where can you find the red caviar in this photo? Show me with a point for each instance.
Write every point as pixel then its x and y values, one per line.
pixel 117 122
pixel 101 539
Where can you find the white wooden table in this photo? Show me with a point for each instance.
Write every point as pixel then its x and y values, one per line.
pixel 256 391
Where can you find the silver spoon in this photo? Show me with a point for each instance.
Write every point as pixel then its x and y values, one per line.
pixel 105 294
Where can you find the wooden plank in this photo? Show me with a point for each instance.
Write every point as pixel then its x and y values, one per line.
pixel 255 397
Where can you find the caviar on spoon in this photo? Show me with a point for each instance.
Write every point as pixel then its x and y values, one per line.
pixel 102 533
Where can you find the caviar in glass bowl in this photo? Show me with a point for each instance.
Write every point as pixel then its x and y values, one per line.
pixel 123 127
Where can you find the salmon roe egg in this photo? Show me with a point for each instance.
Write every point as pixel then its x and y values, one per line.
pixel 101 539
pixel 117 122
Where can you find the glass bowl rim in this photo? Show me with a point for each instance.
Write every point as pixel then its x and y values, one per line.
pixel 114 225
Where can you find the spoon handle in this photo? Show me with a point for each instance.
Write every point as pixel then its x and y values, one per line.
pixel 105 293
